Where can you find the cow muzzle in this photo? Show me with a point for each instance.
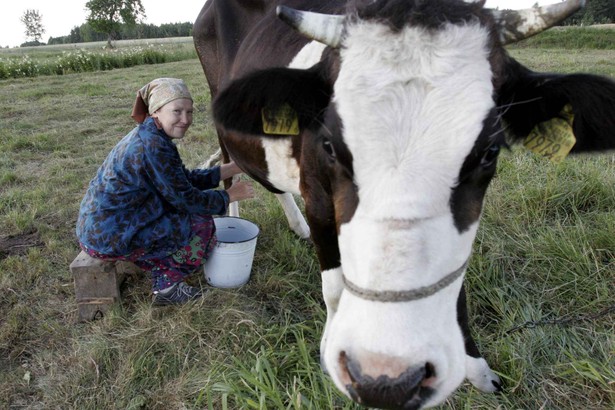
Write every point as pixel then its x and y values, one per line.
pixel 408 389
pixel 396 349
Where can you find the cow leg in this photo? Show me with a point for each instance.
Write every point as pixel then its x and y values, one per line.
pixel 477 369
pixel 296 221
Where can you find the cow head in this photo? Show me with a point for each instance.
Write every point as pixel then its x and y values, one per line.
pixel 402 121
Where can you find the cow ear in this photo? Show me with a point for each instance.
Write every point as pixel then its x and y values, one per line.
pixel 285 96
pixel 529 102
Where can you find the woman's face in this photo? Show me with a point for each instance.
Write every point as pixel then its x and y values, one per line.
pixel 175 117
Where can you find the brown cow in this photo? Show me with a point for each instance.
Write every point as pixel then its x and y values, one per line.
pixel 389 126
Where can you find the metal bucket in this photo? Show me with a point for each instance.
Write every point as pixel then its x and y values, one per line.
pixel 230 262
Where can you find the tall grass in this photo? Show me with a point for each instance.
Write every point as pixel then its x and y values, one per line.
pixel 573 38
pixel 35 62
pixel 545 252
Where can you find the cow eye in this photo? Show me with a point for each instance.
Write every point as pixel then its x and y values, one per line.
pixel 490 155
pixel 328 147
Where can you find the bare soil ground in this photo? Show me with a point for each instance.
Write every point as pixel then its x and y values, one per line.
pixel 19 244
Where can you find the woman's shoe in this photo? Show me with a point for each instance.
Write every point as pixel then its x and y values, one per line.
pixel 176 295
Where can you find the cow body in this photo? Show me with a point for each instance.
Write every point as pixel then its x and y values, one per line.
pixel 228 38
pixel 400 121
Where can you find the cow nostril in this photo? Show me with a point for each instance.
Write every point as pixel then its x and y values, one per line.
pixel 430 370
pixel 430 376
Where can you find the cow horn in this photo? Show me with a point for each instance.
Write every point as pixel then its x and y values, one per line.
pixel 516 25
pixel 325 28
pixel 479 2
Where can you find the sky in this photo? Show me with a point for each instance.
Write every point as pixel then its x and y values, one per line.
pixel 59 17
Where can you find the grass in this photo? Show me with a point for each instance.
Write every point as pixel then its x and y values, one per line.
pixel 545 251
pixel 571 37
pixel 87 57
pixel 52 50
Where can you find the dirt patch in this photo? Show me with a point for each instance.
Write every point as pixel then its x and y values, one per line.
pixel 18 244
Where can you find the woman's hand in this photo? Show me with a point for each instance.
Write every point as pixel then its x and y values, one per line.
pixel 229 170
pixel 240 190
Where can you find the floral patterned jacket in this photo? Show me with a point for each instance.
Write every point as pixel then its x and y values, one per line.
pixel 142 197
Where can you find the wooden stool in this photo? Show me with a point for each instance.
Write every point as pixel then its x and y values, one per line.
pixel 97 284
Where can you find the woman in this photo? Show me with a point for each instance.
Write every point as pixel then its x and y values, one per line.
pixel 145 207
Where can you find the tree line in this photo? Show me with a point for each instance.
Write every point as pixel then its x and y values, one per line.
pixel 107 20
pixel 121 20
pixel 594 12
pixel 85 33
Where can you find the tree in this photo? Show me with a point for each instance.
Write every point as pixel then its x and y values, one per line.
pixel 33 21
pixel 595 12
pixel 600 12
pixel 106 16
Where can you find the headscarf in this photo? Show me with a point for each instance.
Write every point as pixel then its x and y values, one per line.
pixel 157 93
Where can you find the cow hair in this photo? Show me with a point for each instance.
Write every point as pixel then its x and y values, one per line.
pixel 418 13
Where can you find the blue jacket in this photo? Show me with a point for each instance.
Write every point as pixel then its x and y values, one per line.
pixel 142 197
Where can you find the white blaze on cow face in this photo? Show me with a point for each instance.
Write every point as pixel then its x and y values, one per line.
pixel 412 105
pixel 282 166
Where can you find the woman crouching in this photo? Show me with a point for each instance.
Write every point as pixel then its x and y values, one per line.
pixel 145 207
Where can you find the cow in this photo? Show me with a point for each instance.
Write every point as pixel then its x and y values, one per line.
pixel 387 117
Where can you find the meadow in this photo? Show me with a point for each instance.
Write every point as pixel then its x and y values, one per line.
pixel 540 282
pixel 64 59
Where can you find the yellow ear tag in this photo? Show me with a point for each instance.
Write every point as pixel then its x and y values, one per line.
pixel 553 139
pixel 281 120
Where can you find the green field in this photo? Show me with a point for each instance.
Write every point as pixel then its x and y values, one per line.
pixel 88 57
pixel 544 259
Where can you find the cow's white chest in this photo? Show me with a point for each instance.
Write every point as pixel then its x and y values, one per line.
pixel 283 168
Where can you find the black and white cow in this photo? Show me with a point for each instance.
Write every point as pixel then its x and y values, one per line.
pixel 393 120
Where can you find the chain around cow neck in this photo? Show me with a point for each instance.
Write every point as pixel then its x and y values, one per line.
pixel 403 295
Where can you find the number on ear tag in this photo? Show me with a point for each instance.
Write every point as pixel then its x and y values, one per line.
pixel 281 120
pixel 553 139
